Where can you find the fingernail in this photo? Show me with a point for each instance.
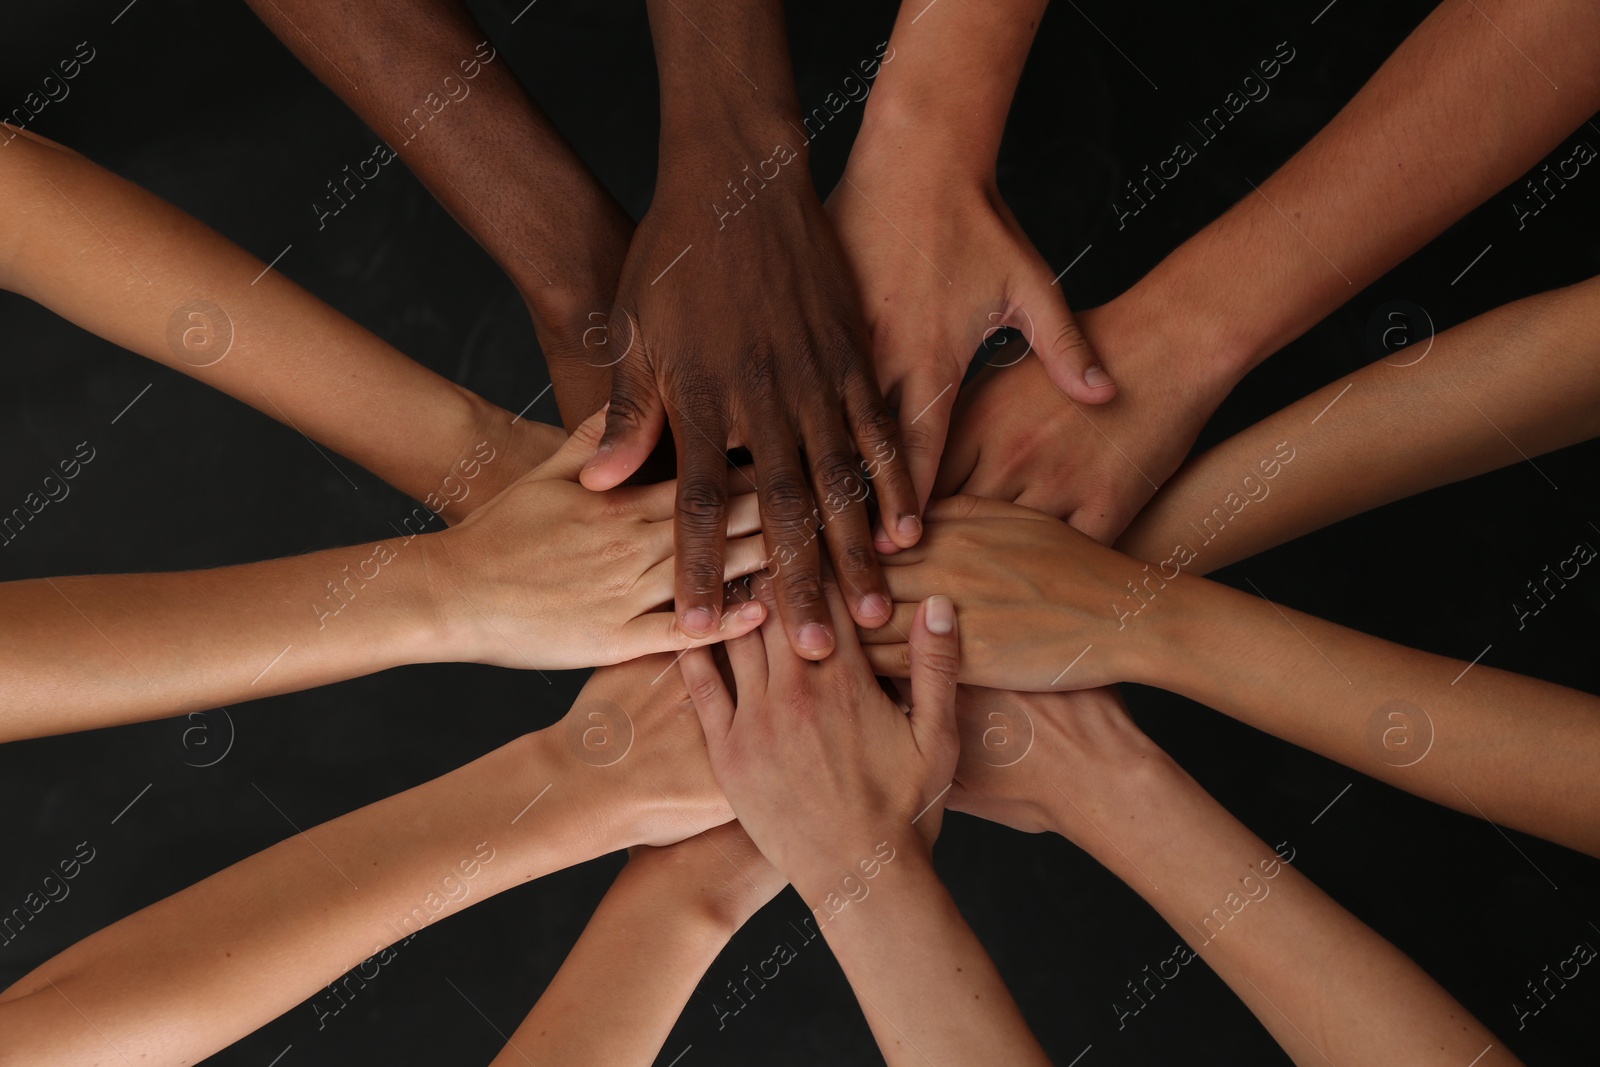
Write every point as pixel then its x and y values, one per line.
pixel 601 454
pixel 1096 376
pixel 814 637
pixel 874 606
pixel 699 621
pixel 752 610
pixel 940 614
pixel 909 526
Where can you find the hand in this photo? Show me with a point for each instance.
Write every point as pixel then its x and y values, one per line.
pixel 1017 437
pixel 817 761
pixel 719 873
pixel 1041 762
pixel 551 575
pixel 633 737
pixel 753 338
pixel 942 264
pixel 1045 607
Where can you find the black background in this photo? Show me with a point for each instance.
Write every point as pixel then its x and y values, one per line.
pixel 199 103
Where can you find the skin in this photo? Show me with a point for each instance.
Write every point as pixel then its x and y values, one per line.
pixel 1249 283
pixel 496 164
pixel 1447 407
pixel 79 653
pixel 125 265
pixel 842 790
pixel 658 928
pixel 753 337
pixel 940 261
pixel 1041 595
pixel 1328 988
pixel 284 922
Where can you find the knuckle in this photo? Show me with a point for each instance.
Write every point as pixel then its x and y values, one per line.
pixel 702 503
pixel 873 421
pixel 802 590
pixel 785 499
pixel 856 558
pixel 701 575
pixel 941 661
pixel 838 475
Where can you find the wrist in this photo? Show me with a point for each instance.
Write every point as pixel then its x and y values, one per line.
pixel 832 877
pixel 587 812
pixel 1179 321
pixel 1165 330
pixel 910 131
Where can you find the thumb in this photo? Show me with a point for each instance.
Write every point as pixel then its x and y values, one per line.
pixel 712 701
pixel 1067 356
pixel 568 460
pixel 935 650
pixel 927 398
pixel 634 420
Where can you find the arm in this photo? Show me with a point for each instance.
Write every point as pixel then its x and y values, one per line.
pixel 940 260
pixel 79 653
pixel 1057 611
pixel 1326 986
pixel 497 165
pixel 283 923
pixel 1444 413
pixel 135 270
pixel 747 332
pixel 661 924
pixel 842 790
pixel 1250 282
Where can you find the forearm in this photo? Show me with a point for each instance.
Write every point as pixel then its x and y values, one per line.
pixel 1470 739
pixel 135 270
pixel 422 75
pixel 85 652
pixel 280 925
pixel 1444 410
pixel 947 81
pixel 624 984
pixel 928 989
pixel 1253 281
pixel 726 94
pixel 1327 987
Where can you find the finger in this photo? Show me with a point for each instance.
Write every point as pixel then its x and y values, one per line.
pixel 890 661
pixel 877 437
pixel 935 666
pixel 1067 356
pixel 569 460
pixel 842 487
pixel 744 519
pixel 702 521
pixel 658 502
pixel 789 520
pixel 658 631
pixel 848 648
pixel 925 406
pixel 747 655
pixel 897 629
pixel 744 555
pixel 712 701
pixel 634 420
pixel 979 507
